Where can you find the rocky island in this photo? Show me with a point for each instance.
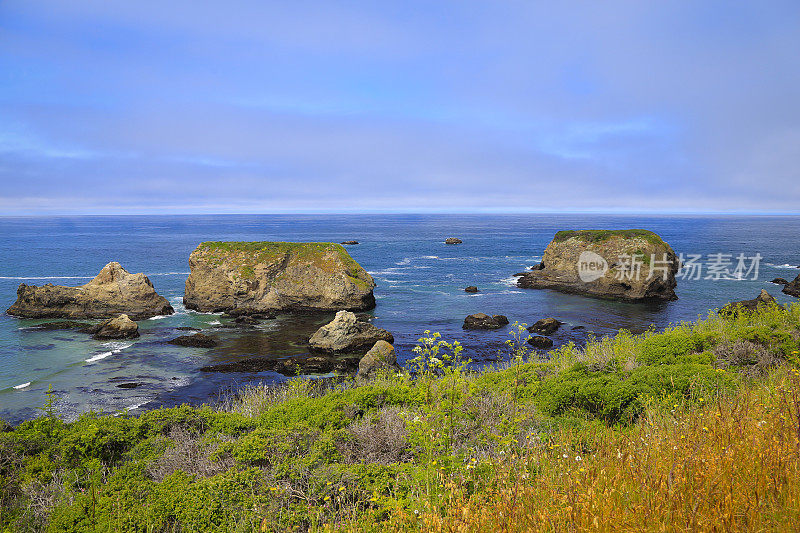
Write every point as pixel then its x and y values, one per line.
pixel 264 277
pixel 114 291
pixel 599 263
pixel 792 288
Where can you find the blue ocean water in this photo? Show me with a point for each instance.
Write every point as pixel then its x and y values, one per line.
pixel 420 286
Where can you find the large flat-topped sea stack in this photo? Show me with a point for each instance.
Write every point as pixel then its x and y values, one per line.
pixel 114 291
pixel 614 264
pixel 257 277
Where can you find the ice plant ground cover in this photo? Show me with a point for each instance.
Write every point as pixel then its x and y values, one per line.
pixel 692 428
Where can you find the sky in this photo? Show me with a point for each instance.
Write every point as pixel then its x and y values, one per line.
pixel 411 106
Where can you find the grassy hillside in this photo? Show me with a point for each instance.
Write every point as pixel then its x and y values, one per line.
pixel 690 428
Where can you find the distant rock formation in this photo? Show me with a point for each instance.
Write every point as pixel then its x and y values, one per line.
pixel 613 264
pixel 764 298
pixel 346 335
pixel 484 321
pixel 112 292
pixel 453 240
pixel 350 243
pixel 793 288
pixel 471 288
pixel 121 327
pixel 263 277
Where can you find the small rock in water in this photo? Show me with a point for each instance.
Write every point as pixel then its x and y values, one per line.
pixel 247 320
pixel 347 334
pixel 484 321
pixel 350 243
pixel 131 385
pixel 63 324
pixel 121 327
pixel 187 328
pixel 545 326
pixel 453 240
pixel 543 343
pixel 198 340
pixel 471 288
pixel 779 281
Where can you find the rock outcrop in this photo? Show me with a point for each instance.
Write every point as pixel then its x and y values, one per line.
pixel 484 321
pixel 112 292
pixel 779 281
pixel 607 264
pixel 471 288
pixel 121 327
pixel 264 277
pixel 198 340
pixel 793 288
pixel 545 326
pixel 453 240
pixel 380 357
pixel 540 342
pixel 350 243
pixel 346 335
pixel 764 298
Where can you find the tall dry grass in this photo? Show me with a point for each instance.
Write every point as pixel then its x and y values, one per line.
pixel 733 465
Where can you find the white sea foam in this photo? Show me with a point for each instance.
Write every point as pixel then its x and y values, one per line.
pixel 157 317
pixel 430 257
pixel 215 323
pixel 135 406
pixel 22 385
pixel 115 347
pixel 785 265
pixel 510 281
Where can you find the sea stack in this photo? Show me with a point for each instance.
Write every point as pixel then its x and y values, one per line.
pixel 265 277
pixel 114 291
pixel 613 264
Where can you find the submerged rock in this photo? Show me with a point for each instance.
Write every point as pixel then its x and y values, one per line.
pixel 538 341
pixel 793 288
pixel 112 292
pixel 121 327
pixel 198 340
pixel 545 326
pixel 380 357
pixel 484 321
pixel 607 264
pixel 347 334
pixel 763 299
pixel 264 277
pixel 63 324
pixel 453 240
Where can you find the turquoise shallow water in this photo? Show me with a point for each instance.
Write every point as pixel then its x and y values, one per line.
pixel 420 286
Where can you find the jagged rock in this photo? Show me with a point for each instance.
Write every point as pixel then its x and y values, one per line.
pixel 545 326
pixel 779 281
pixel 762 299
pixel 484 321
pixel 121 327
pixel 453 240
pixel 112 292
pixel 347 334
pixel 597 263
pixel 471 288
pixel 198 340
pixel 543 343
pixel 264 277
pixel 380 357
pixel 793 288
pixel 350 243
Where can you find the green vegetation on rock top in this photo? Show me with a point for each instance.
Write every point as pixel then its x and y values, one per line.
pixel 602 235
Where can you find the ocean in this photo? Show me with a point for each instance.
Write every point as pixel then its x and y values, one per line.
pixel 420 281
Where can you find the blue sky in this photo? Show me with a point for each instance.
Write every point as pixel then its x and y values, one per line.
pixel 239 106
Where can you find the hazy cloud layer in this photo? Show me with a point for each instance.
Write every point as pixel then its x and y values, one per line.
pixel 258 106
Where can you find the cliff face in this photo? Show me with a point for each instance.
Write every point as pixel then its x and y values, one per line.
pixel 600 263
pixel 276 276
pixel 793 288
pixel 112 292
